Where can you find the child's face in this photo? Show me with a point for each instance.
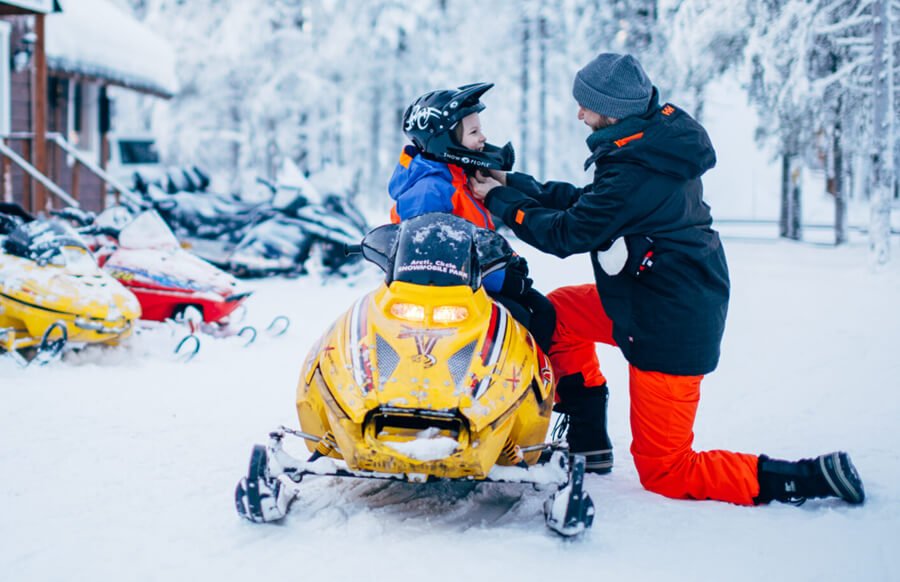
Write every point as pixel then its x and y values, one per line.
pixel 472 138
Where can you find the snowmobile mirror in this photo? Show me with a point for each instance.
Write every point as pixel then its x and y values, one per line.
pixel 378 246
pixel 75 215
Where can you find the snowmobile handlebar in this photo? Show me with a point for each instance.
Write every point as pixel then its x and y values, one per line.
pixel 79 217
pixel 95 230
pixel 267 183
pixel 352 249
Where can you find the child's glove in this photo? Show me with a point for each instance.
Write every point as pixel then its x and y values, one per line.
pixel 516 281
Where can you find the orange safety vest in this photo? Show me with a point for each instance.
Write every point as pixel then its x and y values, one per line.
pixel 465 205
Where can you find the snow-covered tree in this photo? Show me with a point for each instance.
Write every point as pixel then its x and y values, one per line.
pixel 703 39
pixel 821 83
pixel 324 83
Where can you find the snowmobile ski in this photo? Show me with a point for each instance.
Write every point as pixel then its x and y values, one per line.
pixel 570 511
pixel 259 497
pixel 50 350
pixel 271 485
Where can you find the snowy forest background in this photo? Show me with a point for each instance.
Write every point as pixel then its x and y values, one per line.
pixel 323 83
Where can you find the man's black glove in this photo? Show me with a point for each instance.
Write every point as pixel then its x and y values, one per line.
pixel 516 281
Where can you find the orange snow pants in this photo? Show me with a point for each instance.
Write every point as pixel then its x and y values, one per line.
pixel 663 407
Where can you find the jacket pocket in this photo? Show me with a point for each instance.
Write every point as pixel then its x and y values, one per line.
pixel 641 255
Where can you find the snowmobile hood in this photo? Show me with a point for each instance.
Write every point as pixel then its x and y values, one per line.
pixel 426 375
pixel 665 140
pixel 173 269
pixel 83 291
pixel 420 168
pixel 410 369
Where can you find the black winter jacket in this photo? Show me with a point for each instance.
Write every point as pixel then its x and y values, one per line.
pixel 668 316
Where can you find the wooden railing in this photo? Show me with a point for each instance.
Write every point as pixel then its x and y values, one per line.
pixel 18 160
pixel 78 159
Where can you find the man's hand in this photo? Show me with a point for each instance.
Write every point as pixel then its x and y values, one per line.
pixel 499 175
pixel 482 184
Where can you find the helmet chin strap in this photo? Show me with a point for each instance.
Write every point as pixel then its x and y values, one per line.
pixel 490 158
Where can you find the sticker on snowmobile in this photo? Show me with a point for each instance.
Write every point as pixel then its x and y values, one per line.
pixel 436 266
pixel 546 372
pixel 362 369
pixel 120 275
pixel 425 340
pixel 491 349
pixel 515 378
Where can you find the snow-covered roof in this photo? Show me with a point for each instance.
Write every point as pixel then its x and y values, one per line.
pixel 30 6
pixel 97 39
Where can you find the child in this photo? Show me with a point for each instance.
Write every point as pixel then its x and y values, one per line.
pixel 445 130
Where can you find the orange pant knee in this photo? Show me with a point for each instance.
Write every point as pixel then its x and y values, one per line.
pixel 663 408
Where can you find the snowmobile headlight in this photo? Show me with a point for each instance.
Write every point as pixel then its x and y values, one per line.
pixel 408 311
pixel 449 314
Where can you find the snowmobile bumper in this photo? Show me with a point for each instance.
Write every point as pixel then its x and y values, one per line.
pixel 26 325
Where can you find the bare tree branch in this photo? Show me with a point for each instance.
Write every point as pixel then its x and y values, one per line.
pixel 843 25
pixel 844 71
pixel 854 41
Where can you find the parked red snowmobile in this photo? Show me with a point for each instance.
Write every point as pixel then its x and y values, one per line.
pixel 170 283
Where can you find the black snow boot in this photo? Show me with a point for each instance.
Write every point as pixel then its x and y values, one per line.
pixel 584 410
pixel 831 475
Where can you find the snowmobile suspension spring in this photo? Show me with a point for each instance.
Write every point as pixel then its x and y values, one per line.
pixel 542 446
pixel 309 437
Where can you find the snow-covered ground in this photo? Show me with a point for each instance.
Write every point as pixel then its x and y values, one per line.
pixel 118 464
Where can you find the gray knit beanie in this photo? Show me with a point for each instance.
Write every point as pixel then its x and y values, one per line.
pixel 613 85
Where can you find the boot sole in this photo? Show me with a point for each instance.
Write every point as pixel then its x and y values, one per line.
pixel 842 477
pixel 599 467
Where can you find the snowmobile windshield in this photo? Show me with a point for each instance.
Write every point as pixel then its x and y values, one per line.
pixel 48 243
pixel 288 198
pixel 437 249
pixel 114 217
pixel 76 259
pixel 147 231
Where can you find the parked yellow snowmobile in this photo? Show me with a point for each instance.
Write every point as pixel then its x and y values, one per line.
pixel 52 291
pixel 424 378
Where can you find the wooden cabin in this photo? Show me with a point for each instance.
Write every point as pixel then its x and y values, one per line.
pixel 58 60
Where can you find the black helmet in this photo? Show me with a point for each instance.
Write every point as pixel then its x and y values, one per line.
pixel 429 124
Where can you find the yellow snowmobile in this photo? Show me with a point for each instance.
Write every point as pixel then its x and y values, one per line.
pixel 425 378
pixel 52 292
